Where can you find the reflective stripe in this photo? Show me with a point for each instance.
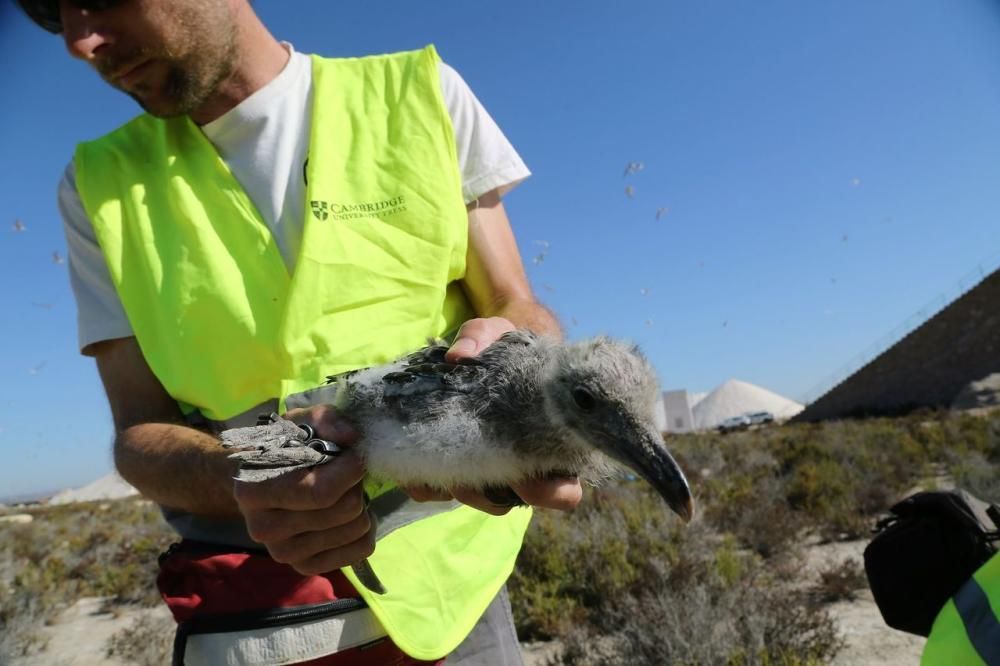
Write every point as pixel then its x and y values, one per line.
pixel 980 623
pixel 284 645
pixel 395 509
pixel 321 395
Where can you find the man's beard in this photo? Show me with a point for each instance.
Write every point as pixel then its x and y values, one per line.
pixel 186 88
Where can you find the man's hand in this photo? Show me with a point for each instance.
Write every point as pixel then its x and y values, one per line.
pixel 560 493
pixel 314 520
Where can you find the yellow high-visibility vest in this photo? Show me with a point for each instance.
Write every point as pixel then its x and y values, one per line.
pixel 967 630
pixel 225 328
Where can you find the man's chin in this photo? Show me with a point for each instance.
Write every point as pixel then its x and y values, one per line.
pixel 157 107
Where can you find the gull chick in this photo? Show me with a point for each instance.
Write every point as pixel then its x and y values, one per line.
pixel 526 407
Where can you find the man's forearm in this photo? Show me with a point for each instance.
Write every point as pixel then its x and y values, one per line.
pixel 178 467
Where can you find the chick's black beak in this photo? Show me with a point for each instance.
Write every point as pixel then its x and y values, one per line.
pixel 653 462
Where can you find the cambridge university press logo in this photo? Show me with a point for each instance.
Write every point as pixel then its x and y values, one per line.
pixel 363 210
pixel 319 209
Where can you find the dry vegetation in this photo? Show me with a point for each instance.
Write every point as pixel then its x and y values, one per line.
pixel 106 549
pixel 619 581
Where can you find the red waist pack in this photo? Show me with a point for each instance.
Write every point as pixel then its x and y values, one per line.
pixel 217 589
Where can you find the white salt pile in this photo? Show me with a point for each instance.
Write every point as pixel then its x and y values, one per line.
pixel 734 398
pixel 107 487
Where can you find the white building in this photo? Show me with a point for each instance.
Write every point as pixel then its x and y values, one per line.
pixel 677 411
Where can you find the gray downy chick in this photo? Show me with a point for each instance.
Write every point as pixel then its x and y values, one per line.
pixel 526 407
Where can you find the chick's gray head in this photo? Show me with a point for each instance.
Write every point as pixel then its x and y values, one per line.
pixel 604 392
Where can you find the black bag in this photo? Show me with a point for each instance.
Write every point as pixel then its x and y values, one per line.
pixel 924 551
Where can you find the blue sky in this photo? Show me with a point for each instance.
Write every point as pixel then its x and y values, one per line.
pixel 830 168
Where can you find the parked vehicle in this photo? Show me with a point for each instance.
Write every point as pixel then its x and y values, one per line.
pixel 760 418
pixel 740 422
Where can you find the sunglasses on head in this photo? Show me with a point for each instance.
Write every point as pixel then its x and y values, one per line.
pixel 46 12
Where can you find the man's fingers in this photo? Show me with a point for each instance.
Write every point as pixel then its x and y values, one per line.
pixel 337 558
pixel 477 500
pixel 476 335
pixel 427 494
pixel 304 547
pixel 562 493
pixel 319 487
pixel 272 525
pixel 327 423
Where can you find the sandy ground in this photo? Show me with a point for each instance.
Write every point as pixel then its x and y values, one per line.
pixel 867 639
pixel 79 635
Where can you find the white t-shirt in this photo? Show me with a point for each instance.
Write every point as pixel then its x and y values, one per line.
pixel 264 140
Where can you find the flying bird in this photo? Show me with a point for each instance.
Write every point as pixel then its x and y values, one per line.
pixel 18 226
pixel 633 168
pixel 538 258
pixel 57 258
pixel 527 407
pixel 660 212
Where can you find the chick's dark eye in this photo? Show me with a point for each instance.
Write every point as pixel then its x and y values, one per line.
pixel 583 398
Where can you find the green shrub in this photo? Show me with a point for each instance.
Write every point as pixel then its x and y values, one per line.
pixel 751 619
pixel 840 582
pixel 977 474
pixel 570 565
